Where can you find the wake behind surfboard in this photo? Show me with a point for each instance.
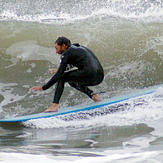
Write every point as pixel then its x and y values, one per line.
pixel 93 106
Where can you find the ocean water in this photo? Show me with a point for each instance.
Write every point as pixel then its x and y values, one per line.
pixel 126 36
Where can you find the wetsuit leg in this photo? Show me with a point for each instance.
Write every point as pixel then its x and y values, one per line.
pixel 60 87
pixel 76 80
pixel 81 88
pixel 59 90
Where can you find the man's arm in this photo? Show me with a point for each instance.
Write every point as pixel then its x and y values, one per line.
pixel 37 88
pixel 56 77
pixel 52 81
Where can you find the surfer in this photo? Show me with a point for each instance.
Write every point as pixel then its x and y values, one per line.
pixel 79 67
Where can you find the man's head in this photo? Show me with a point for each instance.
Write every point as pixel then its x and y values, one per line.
pixel 61 44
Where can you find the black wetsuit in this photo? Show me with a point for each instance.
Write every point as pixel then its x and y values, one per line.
pixel 89 71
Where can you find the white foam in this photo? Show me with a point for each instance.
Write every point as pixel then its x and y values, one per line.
pixel 156 45
pixel 6 92
pixel 19 158
pixel 110 156
pixel 142 109
pixel 146 10
pixel 124 69
pixel 121 157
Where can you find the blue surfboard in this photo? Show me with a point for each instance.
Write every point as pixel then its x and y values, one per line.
pixel 80 108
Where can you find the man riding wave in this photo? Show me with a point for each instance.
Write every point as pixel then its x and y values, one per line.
pixel 79 67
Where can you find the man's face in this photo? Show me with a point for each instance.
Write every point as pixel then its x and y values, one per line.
pixel 60 49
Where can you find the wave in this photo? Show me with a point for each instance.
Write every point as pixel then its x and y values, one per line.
pixel 106 156
pixel 131 52
pixel 62 11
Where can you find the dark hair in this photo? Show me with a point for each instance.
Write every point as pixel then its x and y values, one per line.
pixel 63 40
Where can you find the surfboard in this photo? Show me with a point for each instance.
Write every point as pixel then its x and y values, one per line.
pixel 79 108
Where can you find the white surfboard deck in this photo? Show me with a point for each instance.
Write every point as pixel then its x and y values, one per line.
pixel 79 108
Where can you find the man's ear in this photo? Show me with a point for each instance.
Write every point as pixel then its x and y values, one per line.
pixel 64 47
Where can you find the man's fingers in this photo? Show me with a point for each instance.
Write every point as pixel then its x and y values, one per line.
pixel 33 89
pixel 53 71
pixel 36 88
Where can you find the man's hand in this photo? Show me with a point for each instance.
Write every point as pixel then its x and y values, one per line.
pixel 53 71
pixel 36 88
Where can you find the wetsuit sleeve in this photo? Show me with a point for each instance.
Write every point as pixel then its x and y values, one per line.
pixel 58 75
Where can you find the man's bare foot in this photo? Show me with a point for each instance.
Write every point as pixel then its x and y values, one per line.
pixel 96 98
pixel 52 108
